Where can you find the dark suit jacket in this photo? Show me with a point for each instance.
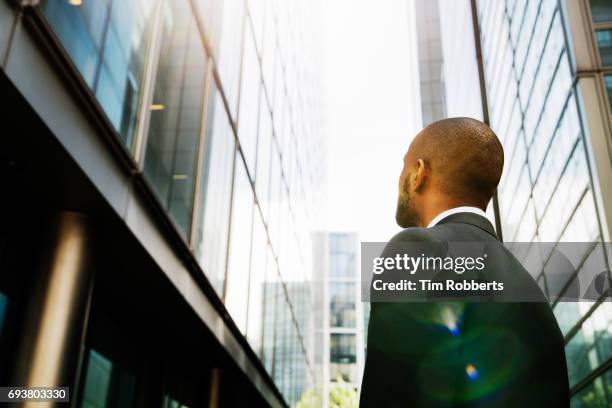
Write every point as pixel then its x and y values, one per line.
pixel 492 354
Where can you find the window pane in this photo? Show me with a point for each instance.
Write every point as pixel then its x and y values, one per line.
pixel 608 81
pixel 592 345
pixel 228 46
pixel 107 385
pixel 601 10
pixel 342 265
pixel 257 282
pixel 176 113
pixel 3 305
pixel 81 31
pixel 343 357
pixel 240 245
pixel 215 193
pixel 271 292
pixel 342 304
pixel 107 41
pixel 604 42
pixel 264 159
pixel 249 102
pixel 596 394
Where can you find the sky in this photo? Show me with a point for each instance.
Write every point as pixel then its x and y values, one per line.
pixel 371 109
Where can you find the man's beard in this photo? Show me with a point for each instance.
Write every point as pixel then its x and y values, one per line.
pixel 405 214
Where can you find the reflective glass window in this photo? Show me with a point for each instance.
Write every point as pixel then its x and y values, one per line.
pixel 604 42
pixel 257 11
pixel 248 111
pixel 342 298
pixel 176 113
pixel 601 10
pixel 271 292
pixel 598 393
pixel 592 345
pixel 342 264
pixel 240 245
pixel 228 48
pixel 106 384
pixel 3 306
pixel 107 41
pixel 608 82
pixel 215 192
pixel 343 357
pixel 264 151
pixel 257 280
pixel 281 343
pixel 342 256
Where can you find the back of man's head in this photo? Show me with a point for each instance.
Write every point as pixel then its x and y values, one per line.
pixel 465 159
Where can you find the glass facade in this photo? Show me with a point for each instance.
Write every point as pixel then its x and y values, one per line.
pixel 107 385
pixel 217 103
pixel 176 113
pixel 430 61
pixel 107 41
pixel 547 189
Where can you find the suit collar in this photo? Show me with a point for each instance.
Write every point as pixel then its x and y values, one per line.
pixel 472 219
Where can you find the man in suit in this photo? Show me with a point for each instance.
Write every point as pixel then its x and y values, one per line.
pixel 461 353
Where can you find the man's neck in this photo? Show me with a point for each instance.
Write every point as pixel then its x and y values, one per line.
pixel 436 208
pixel 455 210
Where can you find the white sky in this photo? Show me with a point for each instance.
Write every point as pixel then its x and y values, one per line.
pixel 372 111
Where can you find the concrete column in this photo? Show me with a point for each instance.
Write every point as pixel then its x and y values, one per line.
pixel 56 318
pixel 213 401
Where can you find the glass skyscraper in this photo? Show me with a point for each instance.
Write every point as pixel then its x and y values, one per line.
pixel 429 50
pixel 547 82
pixel 195 125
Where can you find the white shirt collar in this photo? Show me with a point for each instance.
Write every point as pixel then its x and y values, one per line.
pixel 456 210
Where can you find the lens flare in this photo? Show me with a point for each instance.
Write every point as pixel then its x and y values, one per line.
pixel 449 318
pixel 471 372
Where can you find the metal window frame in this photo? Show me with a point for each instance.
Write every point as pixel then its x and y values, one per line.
pixel 150 73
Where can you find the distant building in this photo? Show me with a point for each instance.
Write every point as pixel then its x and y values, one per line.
pixel 339 325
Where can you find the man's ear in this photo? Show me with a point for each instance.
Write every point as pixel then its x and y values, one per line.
pixel 419 176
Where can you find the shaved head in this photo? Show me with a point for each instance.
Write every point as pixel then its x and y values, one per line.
pixel 458 161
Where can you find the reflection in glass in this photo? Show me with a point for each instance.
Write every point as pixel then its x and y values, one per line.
pixel 249 102
pixel 604 42
pixel 343 357
pixel 592 345
pixel 176 113
pixel 3 306
pixel 342 304
pixel 107 41
pixel 601 10
pixel 264 152
pixel 228 47
pixel 257 279
pixel 608 82
pixel 596 394
pixel 107 385
pixel 271 289
pixel 236 294
pixel 215 193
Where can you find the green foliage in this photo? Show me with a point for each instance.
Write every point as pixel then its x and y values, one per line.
pixel 311 398
pixel 341 395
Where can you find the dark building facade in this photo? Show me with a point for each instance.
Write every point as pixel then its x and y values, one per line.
pixel 160 162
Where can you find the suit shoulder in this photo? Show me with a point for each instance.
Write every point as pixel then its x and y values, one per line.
pixel 413 234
